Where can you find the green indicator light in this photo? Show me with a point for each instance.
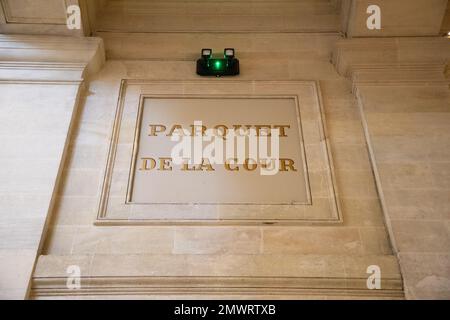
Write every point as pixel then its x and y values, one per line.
pixel 218 64
pixel 210 65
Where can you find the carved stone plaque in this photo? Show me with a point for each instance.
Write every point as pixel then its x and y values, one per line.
pixel 157 179
pixel 148 180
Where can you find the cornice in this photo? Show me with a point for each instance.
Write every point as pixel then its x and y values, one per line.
pixel 13 71
pixel 400 75
pixel 49 58
pixel 294 287
pixel 186 275
pixel 405 61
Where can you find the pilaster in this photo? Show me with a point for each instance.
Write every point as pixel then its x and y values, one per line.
pixel 403 95
pixel 41 78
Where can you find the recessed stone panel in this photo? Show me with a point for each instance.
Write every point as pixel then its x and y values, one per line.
pixel 35 11
pixel 233 168
pixel 146 183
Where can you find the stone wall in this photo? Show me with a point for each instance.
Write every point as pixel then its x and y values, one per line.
pixel 39 90
pixel 384 104
pixel 403 97
pixel 148 261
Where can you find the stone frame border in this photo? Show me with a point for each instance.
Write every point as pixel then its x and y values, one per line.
pixel 103 219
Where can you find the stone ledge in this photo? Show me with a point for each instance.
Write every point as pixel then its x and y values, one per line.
pixel 49 58
pixel 392 60
pixel 186 286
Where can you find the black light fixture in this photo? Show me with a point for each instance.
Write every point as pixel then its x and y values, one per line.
pixel 206 53
pixel 228 53
pixel 227 65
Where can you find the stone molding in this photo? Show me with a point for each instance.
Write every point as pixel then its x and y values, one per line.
pixel 31 61
pixel 201 275
pixel 423 18
pixel 206 286
pixel 147 214
pixel 49 58
pixel 393 63
pixel 390 61
pixel 52 21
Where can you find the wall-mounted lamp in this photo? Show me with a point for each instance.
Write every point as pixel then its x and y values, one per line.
pixel 227 65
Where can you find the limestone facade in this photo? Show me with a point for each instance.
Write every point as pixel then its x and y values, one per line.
pixel 383 123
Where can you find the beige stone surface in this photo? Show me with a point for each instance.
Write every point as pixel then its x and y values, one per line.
pixel 37 111
pixel 406 120
pixel 219 16
pixel 43 17
pixel 32 176
pixel 25 11
pixel 157 276
pixel 16 267
pixel 389 150
pixel 426 275
pixel 144 253
pixel 319 183
pixel 398 18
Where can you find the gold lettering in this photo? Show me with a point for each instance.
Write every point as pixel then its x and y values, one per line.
pixel 194 130
pixel 174 128
pixel 266 129
pixel 165 164
pixel 237 130
pixel 148 164
pixel 248 166
pixel 186 167
pixel 282 131
pixel 268 164
pixel 155 129
pixel 287 164
pixel 228 166
pixel 221 133
pixel 205 164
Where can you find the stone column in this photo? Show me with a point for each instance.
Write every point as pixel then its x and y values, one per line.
pixel 404 101
pixel 41 78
